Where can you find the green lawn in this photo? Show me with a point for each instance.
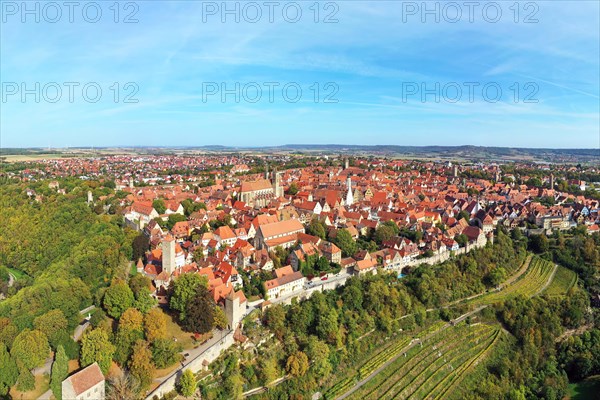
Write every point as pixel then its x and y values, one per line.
pixel 42 384
pixel 588 389
pixel 18 274
pixel 186 339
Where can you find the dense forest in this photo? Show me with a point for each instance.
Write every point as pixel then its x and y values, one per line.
pixel 63 255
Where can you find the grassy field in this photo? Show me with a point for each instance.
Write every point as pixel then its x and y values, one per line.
pixel 42 384
pixel 532 281
pixel 186 339
pixel 17 273
pixel 588 389
pixel 432 369
pixel 563 281
pixel 35 157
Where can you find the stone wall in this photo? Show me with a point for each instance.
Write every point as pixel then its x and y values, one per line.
pixel 195 365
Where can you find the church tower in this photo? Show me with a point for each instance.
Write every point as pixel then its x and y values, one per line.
pixel 349 196
pixel 168 254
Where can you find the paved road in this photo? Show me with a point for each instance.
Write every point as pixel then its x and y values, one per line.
pixel 550 279
pixel 87 310
pixel 11 279
pixel 79 331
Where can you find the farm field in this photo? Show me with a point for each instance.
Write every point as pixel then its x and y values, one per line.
pixel 431 369
pixel 531 283
pixel 563 281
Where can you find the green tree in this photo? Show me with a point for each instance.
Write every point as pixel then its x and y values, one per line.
pixel 318 352
pixel 461 239
pixel 173 219
pixel 159 206
pixel 139 282
pixel 328 327
pixel 96 347
pixel 131 319
pixel 26 381
pixel 155 325
pixel 534 181
pixel 51 322
pixel 234 385
pixel 8 370
pixel 60 370
pixel 297 364
pixel 539 243
pixel 8 332
pixel 144 300
pixel 187 383
pixel 200 312
pixel 118 298
pixel 124 341
pixel 30 348
pixel 316 228
pixel 62 338
pixel 293 189
pixel 275 319
pixel 384 233
pixel 165 352
pixel 268 370
pixel 183 289
pixel 220 319
pixel 344 241
pixel 140 365
pixel 139 246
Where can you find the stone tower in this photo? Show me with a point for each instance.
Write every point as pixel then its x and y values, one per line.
pixel 233 311
pixel 346 163
pixel 168 254
pixel 551 181
pixel 90 197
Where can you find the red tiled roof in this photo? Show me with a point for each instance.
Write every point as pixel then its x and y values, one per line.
pixel 86 378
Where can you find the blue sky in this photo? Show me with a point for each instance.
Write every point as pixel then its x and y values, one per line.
pixel 375 61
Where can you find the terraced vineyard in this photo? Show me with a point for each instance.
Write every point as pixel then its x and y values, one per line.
pixel 377 361
pixel 563 281
pixel 431 369
pixel 531 283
